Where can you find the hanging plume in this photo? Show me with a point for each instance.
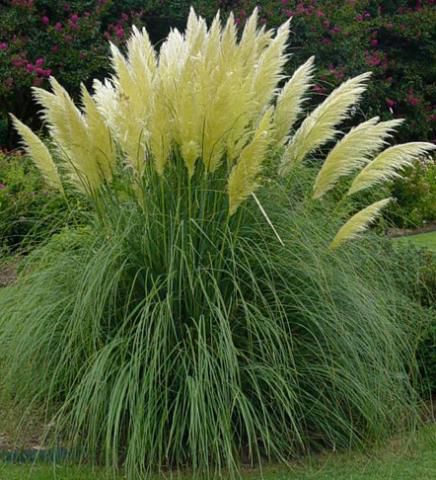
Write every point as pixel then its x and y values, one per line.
pixel 39 153
pixel 352 152
pixel 387 164
pixel 320 126
pixel 243 179
pixel 290 100
pixel 358 223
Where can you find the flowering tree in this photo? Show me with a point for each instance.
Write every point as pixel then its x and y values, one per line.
pixel 68 39
pixel 394 39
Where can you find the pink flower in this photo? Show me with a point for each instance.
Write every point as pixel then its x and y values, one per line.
pixel 289 13
pixel 42 72
pixel 300 9
pixel 119 32
pixel 39 62
pixel 284 2
pixel 124 17
pixel 55 48
pixel 390 103
pixel 319 13
pixel 30 67
pixel 374 42
pixel 412 100
pixel 18 62
pixel 374 59
pixel 58 26
pixel 74 17
pixel 318 89
pixel 2 186
pixel 3 46
pixel 45 20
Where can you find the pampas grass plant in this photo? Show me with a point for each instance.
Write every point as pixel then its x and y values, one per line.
pixel 199 318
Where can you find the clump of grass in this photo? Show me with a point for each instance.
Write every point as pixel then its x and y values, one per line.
pixel 200 318
pixel 162 340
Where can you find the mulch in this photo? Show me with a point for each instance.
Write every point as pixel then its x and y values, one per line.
pixel 8 273
pixel 404 232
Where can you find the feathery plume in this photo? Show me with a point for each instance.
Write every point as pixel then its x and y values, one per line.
pixel 133 87
pixel 352 152
pixel 358 223
pixel 70 133
pixel 290 100
pixel 243 177
pixel 99 137
pixel 140 52
pixel 229 40
pixel 39 153
pixel 248 45
pixel 213 43
pixel 320 126
pixel 105 97
pixel 386 165
pixel 269 70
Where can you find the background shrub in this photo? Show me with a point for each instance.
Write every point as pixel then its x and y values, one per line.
pixel 416 196
pixel 421 285
pixel 29 211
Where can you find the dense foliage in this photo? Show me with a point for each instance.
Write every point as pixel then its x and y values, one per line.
pixel 416 195
pixel 29 211
pixel 422 287
pixel 212 307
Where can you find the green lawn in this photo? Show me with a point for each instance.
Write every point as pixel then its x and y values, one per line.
pixel 427 240
pixel 400 460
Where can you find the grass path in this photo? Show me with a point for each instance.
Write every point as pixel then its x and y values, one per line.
pixel 413 459
pixel 427 240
